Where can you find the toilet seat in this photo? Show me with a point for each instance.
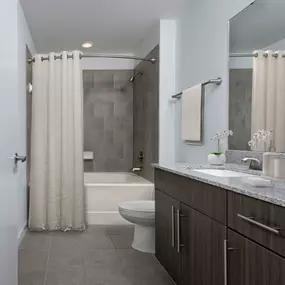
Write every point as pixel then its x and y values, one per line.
pixel 138 206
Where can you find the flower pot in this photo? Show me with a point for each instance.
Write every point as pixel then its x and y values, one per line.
pixel 216 159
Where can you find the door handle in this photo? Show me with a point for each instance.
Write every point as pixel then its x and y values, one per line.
pixel 17 158
pixel 172 226
pixel 179 245
pixel 265 227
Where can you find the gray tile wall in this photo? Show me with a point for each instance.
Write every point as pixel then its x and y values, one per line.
pixel 108 119
pixel 146 91
pixel 240 108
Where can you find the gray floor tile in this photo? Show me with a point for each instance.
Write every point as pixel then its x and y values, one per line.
pixel 32 266
pixel 33 277
pixel 109 276
pixel 65 275
pixel 122 241
pixel 96 240
pixel 88 258
pixel 36 240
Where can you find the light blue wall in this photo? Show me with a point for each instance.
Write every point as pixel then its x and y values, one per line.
pixel 202 54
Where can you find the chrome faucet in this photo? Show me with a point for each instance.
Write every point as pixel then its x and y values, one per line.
pixel 255 164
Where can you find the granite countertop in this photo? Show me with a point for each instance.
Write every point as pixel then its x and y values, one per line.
pixel 275 193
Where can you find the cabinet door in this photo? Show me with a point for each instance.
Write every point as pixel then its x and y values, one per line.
pixel 252 264
pixel 165 231
pixel 203 249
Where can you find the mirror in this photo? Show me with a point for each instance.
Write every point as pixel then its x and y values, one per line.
pixel 260 26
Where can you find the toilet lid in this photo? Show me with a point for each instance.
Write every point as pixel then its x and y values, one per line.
pixel 138 206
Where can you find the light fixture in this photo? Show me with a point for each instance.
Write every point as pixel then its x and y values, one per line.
pixel 87 44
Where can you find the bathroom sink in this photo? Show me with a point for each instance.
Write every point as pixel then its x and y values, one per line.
pixel 222 173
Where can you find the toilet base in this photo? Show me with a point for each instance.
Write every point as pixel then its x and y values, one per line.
pixel 144 239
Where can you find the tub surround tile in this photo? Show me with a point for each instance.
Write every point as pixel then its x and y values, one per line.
pixel 274 194
pixel 146 91
pixel 108 119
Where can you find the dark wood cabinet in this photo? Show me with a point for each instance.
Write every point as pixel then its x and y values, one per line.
pixel 252 264
pixel 166 234
pixel 206 235
pixel 203 247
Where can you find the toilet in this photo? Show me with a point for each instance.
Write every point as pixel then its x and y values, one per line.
pixel 142 215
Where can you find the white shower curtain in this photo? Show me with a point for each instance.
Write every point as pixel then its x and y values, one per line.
pixel 268 97
pixel 57 186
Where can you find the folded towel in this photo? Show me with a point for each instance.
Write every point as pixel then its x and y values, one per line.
pixel 192 114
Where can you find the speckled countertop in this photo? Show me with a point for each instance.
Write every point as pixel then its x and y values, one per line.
pixel 275 193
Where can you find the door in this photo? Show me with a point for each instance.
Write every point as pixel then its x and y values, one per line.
pixel 9 142
pixel 203 248
pixel 166 234
pixel 250 263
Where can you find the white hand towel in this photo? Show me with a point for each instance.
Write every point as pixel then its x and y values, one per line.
pixel 191 114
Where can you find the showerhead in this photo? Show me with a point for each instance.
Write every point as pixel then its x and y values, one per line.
pixel 132 79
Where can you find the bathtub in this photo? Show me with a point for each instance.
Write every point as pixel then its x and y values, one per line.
pixel 105 190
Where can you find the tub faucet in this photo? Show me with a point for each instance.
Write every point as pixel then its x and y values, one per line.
pixel 255 164
pixel 137 169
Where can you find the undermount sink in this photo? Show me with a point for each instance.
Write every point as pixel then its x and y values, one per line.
pixel 222 173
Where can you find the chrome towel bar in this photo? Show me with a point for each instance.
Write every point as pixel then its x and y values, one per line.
pixel 217 81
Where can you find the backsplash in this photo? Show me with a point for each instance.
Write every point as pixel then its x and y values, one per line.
pixel 236 156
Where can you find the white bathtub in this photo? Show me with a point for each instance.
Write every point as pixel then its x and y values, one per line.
pixel 105 190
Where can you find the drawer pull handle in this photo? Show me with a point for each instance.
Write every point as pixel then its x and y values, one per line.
pixel 172 226
pixel 179 245
pixel 252 221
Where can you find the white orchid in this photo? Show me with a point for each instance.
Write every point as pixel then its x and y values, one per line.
pixel 221 137
pixel 260 136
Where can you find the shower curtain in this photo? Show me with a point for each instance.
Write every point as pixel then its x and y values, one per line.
pixel 56 185
pixel 268 97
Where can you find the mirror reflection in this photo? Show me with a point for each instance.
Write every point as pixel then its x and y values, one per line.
pixel 256 76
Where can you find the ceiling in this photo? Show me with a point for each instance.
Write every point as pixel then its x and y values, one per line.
pixel 258 26
pixel 114 26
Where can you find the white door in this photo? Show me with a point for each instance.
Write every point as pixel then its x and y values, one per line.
pixel 9 141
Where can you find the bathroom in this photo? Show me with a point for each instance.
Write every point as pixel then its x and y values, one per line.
pixel 142 146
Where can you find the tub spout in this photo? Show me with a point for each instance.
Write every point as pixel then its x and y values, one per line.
pixel 137 169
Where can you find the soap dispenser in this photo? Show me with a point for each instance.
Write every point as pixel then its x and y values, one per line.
pixel 268 160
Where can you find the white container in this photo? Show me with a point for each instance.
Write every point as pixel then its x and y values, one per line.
pixel 279 168
pixel 268 163
pixel 215 159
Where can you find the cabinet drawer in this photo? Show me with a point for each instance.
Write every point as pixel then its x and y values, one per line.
pixel 208 199
pixel 258 220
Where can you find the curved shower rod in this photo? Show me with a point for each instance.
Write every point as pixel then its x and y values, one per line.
pixel 89 55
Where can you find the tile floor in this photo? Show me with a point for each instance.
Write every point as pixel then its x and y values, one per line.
pixel 102 255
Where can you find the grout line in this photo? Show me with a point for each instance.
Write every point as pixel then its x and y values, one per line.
pixel 45 278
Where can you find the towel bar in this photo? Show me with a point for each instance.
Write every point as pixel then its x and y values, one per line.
pixel 217 81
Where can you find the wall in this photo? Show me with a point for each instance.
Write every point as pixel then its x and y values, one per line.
pixel 9 141
pixel 108 119
pixel 107 63
pixel 146 96
pixel 24 38
pixel 150 41
pixel 202 54
pixel 167 67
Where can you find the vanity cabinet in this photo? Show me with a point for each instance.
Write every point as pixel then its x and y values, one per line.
pixel 189 238
pixel 206 235
pixel 202 251
pixel 252 264
pixel 166 233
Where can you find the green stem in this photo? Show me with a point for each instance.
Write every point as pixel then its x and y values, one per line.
pixel 218 145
